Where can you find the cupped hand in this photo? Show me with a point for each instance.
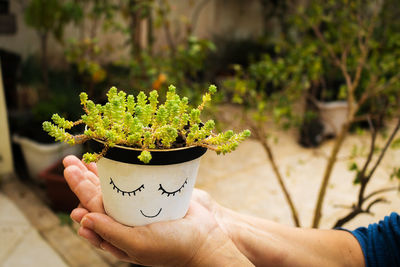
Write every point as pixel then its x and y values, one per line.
pixel 195 240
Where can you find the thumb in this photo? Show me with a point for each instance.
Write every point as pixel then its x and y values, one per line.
pixel 111 231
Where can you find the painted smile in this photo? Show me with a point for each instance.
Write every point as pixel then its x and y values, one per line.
pixel 150 216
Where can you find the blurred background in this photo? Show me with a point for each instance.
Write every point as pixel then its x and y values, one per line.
pixel 317 82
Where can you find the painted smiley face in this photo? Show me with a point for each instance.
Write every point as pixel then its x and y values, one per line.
pixel 133 193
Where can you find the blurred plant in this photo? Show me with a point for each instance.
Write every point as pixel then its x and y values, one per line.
pixel 50 17
pixel 365 173
pixel 85 55
pixel 145 124
pixel 181 62
pixel 267 91
pixel 156 71
pixel 350 37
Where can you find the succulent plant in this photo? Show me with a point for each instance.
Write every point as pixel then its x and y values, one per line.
pixel 144 123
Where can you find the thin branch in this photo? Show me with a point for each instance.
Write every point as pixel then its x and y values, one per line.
pixel 392 136
pixel 263 140
pixel 78 122
pixel 327 174
pixel 351 215
pixel 380 191
pixel 81 138
pixel 379 89
pixel 321 37
pixel 378 200
pixel 372 148
pixel 364 180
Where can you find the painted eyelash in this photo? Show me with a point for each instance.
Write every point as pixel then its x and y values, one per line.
pixel 125 192
pixel 172 193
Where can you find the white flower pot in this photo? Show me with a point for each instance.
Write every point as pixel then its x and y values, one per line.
pixel 137 194
pixel 333 115
pixel 39 156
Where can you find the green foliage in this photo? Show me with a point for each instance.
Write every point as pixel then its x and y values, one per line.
pixel 396 143
pixel 143 123
pixel 395 173
pixel 85 55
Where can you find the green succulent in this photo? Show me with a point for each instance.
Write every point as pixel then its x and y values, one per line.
pixel 144 123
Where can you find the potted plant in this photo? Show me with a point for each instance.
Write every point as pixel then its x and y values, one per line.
pixel 147 153
pixel 57 190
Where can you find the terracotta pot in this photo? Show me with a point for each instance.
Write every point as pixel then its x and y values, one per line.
pixel 137 194
pixel 60 195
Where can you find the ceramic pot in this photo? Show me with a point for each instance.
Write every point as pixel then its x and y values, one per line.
pixel 333 116
pixel 136 194
pixel 40 156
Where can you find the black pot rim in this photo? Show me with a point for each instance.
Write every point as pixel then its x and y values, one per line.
pixel 159 156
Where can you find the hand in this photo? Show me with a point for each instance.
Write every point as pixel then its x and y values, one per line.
pixel 194 240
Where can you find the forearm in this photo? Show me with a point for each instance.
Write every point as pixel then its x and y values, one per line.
pixel 267 243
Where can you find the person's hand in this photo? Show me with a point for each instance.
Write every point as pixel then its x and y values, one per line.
pixel 83 181
pixel 194 240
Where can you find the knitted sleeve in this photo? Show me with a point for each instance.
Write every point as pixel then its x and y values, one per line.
pixel 380 242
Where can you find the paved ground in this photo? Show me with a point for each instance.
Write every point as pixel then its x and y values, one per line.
pixel 21 243
pixel 244 181
pixel 31 235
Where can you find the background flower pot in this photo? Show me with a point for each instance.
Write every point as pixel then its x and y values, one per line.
pixel 39 156
pixel 137 194
pixel 60 195
pixel 333 115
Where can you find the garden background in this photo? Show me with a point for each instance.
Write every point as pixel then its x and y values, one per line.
pixel 317 82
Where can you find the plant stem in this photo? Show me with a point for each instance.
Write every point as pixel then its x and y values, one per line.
pixel 327 174
pixel 264 142
pixel 364 180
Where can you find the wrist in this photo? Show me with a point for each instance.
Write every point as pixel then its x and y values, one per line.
pixel 219 250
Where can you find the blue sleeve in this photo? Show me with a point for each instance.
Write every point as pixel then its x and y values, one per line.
pixel 380 242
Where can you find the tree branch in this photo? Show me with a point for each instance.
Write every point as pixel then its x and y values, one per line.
pixel 260 136
pixel 394 132
pixel 383 190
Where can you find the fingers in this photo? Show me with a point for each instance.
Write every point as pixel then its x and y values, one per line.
pixel 88 193
pixel 89 170
pixel 116 252
pixel 73 160
pixel 98 242
pixel 91 236
pixel 110 230
pixel 78 213
pixel 91 167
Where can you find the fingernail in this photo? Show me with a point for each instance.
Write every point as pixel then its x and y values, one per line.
pixel 86 222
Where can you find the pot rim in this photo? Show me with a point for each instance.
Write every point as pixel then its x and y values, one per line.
pixel 159 156
pixel 150 149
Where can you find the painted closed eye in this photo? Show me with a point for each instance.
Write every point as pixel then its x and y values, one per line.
pixel 163 191
pixel 125 192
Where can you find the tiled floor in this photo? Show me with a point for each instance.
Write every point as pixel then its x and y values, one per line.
pixel 21 244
